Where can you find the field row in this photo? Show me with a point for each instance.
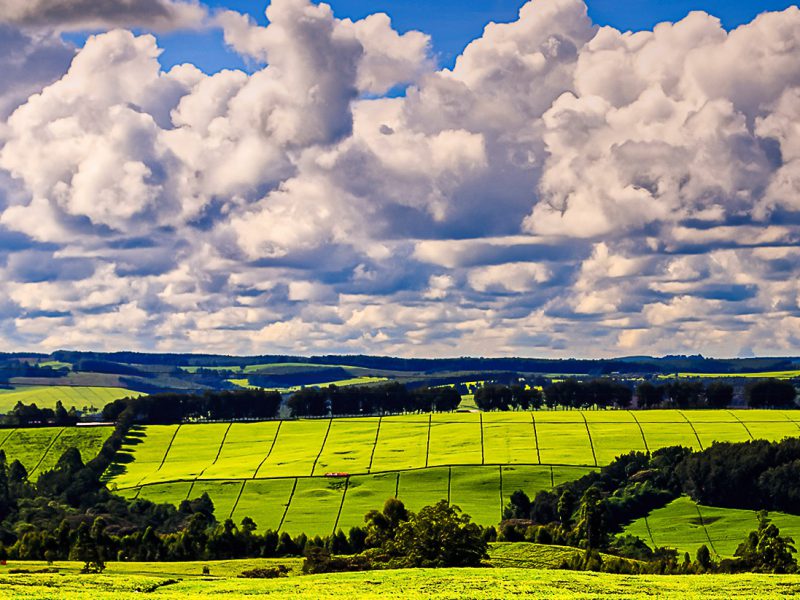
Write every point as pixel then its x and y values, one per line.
pixel 81 397
pixel 304 448
pixel 319 505
pixel 39 449
pixel 685 526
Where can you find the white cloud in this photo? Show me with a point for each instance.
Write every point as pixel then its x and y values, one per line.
pixel 562 182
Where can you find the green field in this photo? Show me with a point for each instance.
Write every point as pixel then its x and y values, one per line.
pixel 758 375
pixel 123 581
pixel 81 397
pixel 685 526
pixel 245 383
pixel 38 449
pixel 274 472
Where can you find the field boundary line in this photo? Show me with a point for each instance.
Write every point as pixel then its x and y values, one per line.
pixel 428 446
pixel 219 452
pixel 5 439
pixel 552 478
pixel 703 524
pixel 341 506
pixel 189 493
pixel 397 485
pixel 288 504
pixel 283 477
pixel 222 443
pixel 591 443
pixel 322 448
pixel 47 451
pixel 238 497
pixel 536 439
pixel 644 439
pixel 650 532
pixel 500 468
pixel 742 423
pixel 375 444
pixel 449 482
pixel 169 447
pixel 483 452
pixel 269 452
pixel 680 412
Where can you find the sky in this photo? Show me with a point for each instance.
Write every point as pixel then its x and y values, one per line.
pixel 544 178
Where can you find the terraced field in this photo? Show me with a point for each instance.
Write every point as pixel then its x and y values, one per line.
pixel 39 449
pixel 275 472
pixel 686 525
pixel 81 397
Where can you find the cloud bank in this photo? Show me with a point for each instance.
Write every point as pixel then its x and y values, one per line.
pixel 565 189
pixel 77 15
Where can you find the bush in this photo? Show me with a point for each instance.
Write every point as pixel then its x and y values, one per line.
pixel 265 572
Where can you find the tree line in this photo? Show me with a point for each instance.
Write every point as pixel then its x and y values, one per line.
pixel 213 405
pixel 388 398
pixel 764 393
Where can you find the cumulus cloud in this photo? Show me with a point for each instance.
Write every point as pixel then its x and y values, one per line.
pixel 562 182
pixel 68 15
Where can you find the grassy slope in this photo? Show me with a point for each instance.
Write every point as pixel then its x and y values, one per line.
pixel 40 448
pixel 685 526
pixel 46 396
pixel 282 458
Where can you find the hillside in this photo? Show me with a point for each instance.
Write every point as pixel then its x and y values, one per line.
pixel 274 472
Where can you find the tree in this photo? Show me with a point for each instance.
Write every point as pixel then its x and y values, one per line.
pixel 591 519
pixel 439 536
pixel 766 551
pixel 565 508
pixel 518 507
pixel 703 558
pixel 719 394
pixel 382 525
pixel 649 395
pixel 85 548
pixel 770 393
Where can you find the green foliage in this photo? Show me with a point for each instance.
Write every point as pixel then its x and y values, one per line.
pixel 771 393
pixel 438 536
pixel 766 551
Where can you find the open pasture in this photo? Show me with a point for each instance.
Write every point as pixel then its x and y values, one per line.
pixel 38 449
pixel 685 526
pixel 81 397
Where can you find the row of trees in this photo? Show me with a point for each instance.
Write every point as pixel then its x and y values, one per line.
pixel 389 398
pixel 765 393
pixel 27 415
pixel 213 405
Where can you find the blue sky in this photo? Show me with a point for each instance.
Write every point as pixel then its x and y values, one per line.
pixel 454 23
